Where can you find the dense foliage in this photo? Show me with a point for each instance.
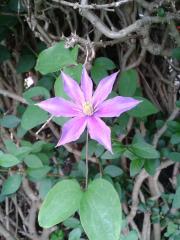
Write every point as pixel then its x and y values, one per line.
pixel 38 39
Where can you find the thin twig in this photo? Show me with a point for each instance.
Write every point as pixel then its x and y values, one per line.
pixel 6 93
pixel 43 126
pixel 92 5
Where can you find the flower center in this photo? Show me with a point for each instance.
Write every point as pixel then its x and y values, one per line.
pixel 87 108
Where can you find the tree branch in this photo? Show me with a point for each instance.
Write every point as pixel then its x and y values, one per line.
pixel 92 5
pixel 146 21
pixel 6 93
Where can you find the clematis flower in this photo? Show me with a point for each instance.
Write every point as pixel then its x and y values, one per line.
pixel 87 108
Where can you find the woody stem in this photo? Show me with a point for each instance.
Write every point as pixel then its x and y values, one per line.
pixel 87 169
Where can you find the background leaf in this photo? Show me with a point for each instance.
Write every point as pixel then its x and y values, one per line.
pixel 144 109
pixel 128 83
pixel 113 171
pixel 11 184
pixel 8 160
pixel 136 166
pixel 54 58
pixel 75 234
pixel 32 161
pixel 33 116
pixel 100 68
pixel 26 63
pixel 176 202
pixel 144 150
pixel 9 121
pixel 34 92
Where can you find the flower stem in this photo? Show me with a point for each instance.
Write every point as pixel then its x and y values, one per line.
pixel 87 169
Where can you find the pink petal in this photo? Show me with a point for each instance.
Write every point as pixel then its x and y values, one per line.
pixel 100 132
pixel 86 85
pixel 103 89
pixel 72 130
pixel 59 107
pixel 115 106
pixel 72 89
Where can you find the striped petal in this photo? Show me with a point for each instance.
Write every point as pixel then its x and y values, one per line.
pixel 100 132
pixel 115 106
pixel 86 85
pixel 72 89
pixel 59 107
pixel 72 130
pixel 103 89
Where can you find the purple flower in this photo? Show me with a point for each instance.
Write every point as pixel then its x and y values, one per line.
pixel 87 107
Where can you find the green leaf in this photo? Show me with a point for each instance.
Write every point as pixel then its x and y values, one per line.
pixel 175 139
pixel 26 63
pixel 108 155
pixel 61 202
pixel 144 150
pixel 71 222
pixel 74 53
pixel 47 81
pixel 34 92
pixel 97 75
pixel 100 68
pixel 136 166
pixel 60 120
pixel 171 229
pixel 44 187
pixel 176 201
pixel 151 165
pixel 59 88
pixel 8 160
pixel 176 53
pixel 9 121
pixel 144 109
pixel 100 211
pixel 38 173
pixel 54 58
pixel 33 116
pixel 38 146
pixel 113 171
pixel 5 54
pixel 12 184
pixel 22 152
pixel 174 156
pixel 132 235
pixel 74 71
pixel 75 234
pixel 161 12
pixel 128 83
pixel 104 63
pixel 10 146
pixel 32 161
pixel 174 126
